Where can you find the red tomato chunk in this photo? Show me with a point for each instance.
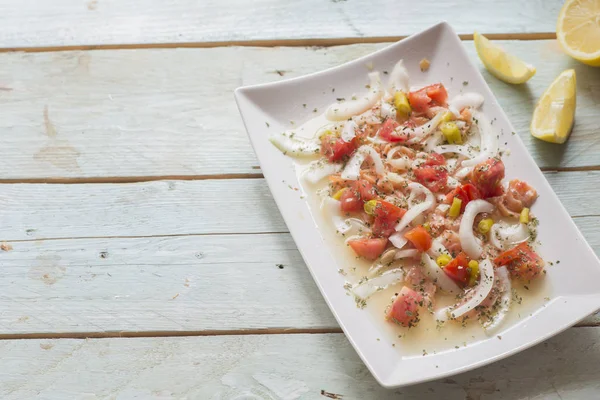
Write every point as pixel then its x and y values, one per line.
pixel 405 308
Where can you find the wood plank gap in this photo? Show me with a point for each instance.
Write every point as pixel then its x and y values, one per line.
pixel 163 334
pixel 321 42
pixel 148 236
pixel 138 179
pixel 131 179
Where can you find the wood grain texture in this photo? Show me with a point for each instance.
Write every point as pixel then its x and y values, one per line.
pixel 109 22
pixel 294 367
pixel 114 115
pixel 193 283
pixel 40 211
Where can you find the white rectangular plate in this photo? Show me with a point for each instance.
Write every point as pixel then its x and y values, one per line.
pixel 575 292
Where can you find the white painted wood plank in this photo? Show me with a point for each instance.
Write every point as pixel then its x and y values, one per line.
pixel 277 367
pixel 191 283
pixel 41 211
pixel 108 22
pixel 188 283
pixel 171 112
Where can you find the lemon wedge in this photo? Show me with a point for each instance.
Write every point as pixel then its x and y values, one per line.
pixel 578 30
pixel 502 65
pixel 554 114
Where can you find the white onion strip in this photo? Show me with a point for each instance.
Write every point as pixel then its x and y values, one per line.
pixel 408 253
pixel 505 301
pixel 438 275
pixel 320 169
pixel 398 78
pixel 398 240
pixel 387 111
pixel 400 163
pixel 469 243
pixel 437 248
pixel 503 236
pixel 348 109
pixel 297 146
pixel 489 141
pixel 418 209
pixel 421 132
pixel 463 100
pixel 349 131
pixel 464 150
pixel 369 287
pixel 352 169
pixel 331 206
pixel 480 293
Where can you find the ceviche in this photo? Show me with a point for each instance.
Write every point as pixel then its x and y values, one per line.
pixel 413 181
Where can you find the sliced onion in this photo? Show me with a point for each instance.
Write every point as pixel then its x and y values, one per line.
pixel 489 141
pixel 401 163
pixel 461 173
pixel 418 209
pixel 387 111
pixel 396 178
pixel 355 227
pixel 350 108
pixel 463 100
pixel 352 169
pixel 464 150
pixel 469 243
pixel 371 286
pixel 503 236
pixel 331 206
pixel 505 301
pixel 451 183
pixel 408 253
pixel 480 293
pixel 437 248
pixel 297 146
pixel 398 240
pixel 349 131
pixel 433 142
pixel 438 276
pixel 421 132
pixel 320 169
pixel 398 78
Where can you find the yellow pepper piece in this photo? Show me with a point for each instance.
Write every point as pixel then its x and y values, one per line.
pixel 448 116
pixel 443 260
pixel 369 207
pixel 474 267
pixel 451 132
pixel 427 226
pixel 524 217
pixel 401 103
pixel 455 208
pixel 339 193
pixel 485 225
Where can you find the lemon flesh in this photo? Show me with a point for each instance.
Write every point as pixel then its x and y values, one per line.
pixel 554 114
pixel 578 30
pixel 501 64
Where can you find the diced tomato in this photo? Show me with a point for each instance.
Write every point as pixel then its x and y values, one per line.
pixel 366 191
pixel 458 269
pixel 387 216
pixel 432 95
pixel 487 177
pixel 353 199
pixel 405 309
pixel 419 101
pixel 437 93
pixel 336 149
pixel 521 261
pixel 387 131
pixel 433 178
pixel 350 202
pixel 434 159
pixel 368 248
pixel 419 237
pixel 465 193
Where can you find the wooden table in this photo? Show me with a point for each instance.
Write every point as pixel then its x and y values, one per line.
pixel 148 258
